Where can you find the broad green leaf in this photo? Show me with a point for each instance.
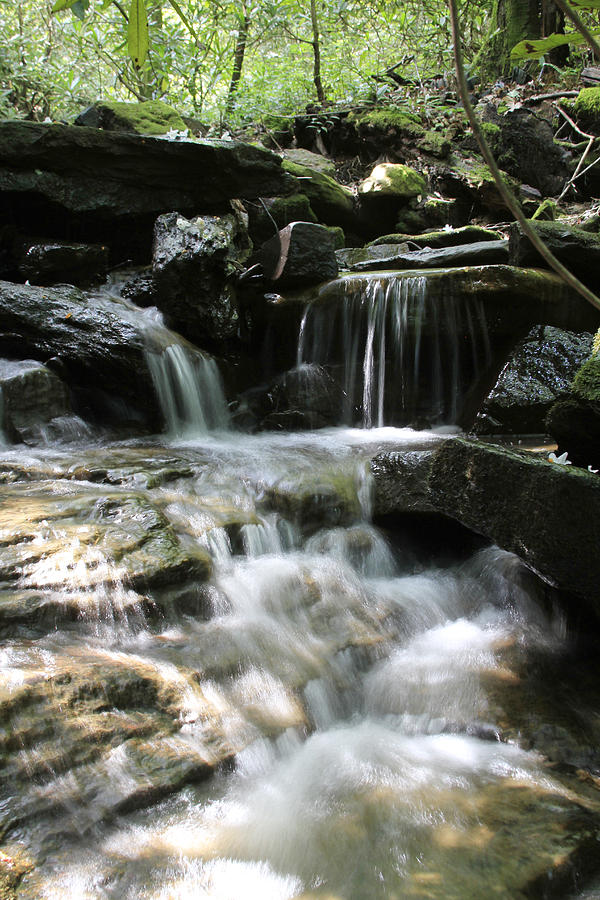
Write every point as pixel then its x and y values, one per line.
pixel 137 33
pixel 535 49
pixel 79 8
pixel 63 4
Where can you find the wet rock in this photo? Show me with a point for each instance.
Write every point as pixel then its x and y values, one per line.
pixel 30 396
pixel 538 372
pixel 194 264
pixel 302 253
pixel 574 420
pixel 141 289
pixel 91 540
pixel 61 262
pixel 306 397
pixel 87 184
pixel 527 505
pixel 400 256
pixel 577 249
pixel 98 346
pixel 149 117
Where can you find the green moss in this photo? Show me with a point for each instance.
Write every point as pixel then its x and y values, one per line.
pixel 338 236
pixel 436 143
pixel 386 118
pixel 411 222
pixel 493 135
pixel 587 381
pixel 150 117
pixel 546 210
pixel 587 107
pixel 332 203
pixel 393 180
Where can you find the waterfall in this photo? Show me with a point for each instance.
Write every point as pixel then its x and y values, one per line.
pixel 189 390
pixel 400 351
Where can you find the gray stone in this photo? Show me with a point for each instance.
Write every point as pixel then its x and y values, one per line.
pixel 399 256
pixel 302 253
pixel 194 265
pixel 539 371
pixel 577 249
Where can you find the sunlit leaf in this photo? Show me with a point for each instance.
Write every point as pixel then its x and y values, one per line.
pixel 535 49
pixel 63 4
pixel 137 33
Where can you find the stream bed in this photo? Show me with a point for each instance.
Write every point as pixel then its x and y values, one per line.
pixel 218 678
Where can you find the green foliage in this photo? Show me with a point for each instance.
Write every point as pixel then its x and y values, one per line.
pixel 137 33
pixel 536 49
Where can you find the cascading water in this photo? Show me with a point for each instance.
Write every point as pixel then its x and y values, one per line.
pixel 400 352
pixel 219 678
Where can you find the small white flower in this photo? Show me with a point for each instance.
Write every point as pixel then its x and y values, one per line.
pixel 561 460
pixel 595 471
pixel 174 135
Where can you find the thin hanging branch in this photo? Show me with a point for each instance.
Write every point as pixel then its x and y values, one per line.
pixel 505 192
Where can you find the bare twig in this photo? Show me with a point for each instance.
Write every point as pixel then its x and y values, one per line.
pixel 539 98
pixel 505 192
pixel 573 125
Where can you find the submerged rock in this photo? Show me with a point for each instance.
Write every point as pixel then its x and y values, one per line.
pixel 524 504
pixel 539 371
pixel 194 264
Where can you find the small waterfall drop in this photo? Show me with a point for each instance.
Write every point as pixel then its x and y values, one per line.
pixel 187 382
pixel 399 351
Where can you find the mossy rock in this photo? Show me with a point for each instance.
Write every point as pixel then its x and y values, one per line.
pixel 338 236
pixel 282 211
pixel 393 180
pixel 587 108
pixel 386 119
pixel 332 203
pixel 149 117
pixel 450 237
pixel 312 160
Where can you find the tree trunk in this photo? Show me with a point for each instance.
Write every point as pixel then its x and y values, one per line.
pixel 238 61
pixel 512 21
pixel 316 52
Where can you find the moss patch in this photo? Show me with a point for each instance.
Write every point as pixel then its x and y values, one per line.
pixel 151 117
pixel 546 211
pixel 435 143
pixel 587 107
pixel 387 118
pixel 587 381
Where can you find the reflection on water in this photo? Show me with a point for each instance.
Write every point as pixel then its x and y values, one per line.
pixel 219 679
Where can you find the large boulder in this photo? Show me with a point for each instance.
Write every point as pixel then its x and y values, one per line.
pixel 194 264
pixel 392 180
pixel 149 117
pixel 539 371
pixel 525 504
pixel 574 421
pixel 87 184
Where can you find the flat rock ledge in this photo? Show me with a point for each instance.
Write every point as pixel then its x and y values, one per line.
pixel 544 512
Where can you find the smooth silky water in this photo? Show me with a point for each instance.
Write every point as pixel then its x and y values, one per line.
pixel 326 717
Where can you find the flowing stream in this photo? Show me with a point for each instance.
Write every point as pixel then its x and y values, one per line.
pixel 218 678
